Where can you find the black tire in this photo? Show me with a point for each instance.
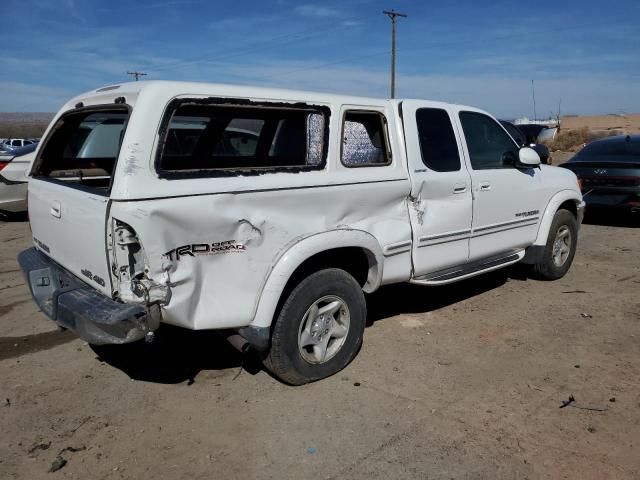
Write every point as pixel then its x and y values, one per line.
pixel 547 268
pixel 285 359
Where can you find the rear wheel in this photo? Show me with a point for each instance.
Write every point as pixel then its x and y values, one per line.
pixel 319 328
pixel 560 249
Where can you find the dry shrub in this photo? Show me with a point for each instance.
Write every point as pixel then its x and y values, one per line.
pixel 26 130
pixel 613 133
pixel 573 140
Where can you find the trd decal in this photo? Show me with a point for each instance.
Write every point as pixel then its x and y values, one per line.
pixel 530 213
pixel 215 248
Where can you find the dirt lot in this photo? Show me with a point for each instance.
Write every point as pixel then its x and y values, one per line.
pixel 623 123
pixel 452 382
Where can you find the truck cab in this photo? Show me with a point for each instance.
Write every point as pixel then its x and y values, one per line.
pixel 268 213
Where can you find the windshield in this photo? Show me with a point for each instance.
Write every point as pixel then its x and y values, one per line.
pixel 514 132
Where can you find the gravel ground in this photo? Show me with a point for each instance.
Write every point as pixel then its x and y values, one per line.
pixel 463 381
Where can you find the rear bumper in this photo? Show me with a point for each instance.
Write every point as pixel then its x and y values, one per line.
pixel 73 304
pixel 615 198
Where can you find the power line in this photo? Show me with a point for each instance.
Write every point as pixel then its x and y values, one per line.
pixel 136 75
pixel 327 64
pixel 253 48
pixel 393 15
pixel 273 42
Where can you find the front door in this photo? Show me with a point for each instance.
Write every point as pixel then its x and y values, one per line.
pixel 506 206
pixel 440 205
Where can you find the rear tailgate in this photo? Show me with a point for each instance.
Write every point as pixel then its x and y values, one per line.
pixel 69 191
pixel 69 226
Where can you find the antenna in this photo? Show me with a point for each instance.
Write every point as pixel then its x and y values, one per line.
pixel 533 93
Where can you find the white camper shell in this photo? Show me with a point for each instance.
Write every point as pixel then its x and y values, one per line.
pixel 269 212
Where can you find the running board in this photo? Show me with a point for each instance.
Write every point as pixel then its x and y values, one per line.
pixel 460 272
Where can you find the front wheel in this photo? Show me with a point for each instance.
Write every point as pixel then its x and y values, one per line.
pixel 560 248
pixel 319 328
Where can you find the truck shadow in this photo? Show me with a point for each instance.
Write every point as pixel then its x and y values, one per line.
pixel 404 298
pixel 178 355
pixel 14 347
pixel 14 217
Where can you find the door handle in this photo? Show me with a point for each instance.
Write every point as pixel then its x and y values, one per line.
pixel 460 188
pixel 485 186
pixel 55 209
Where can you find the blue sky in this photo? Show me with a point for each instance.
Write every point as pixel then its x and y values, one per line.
pixel 474 52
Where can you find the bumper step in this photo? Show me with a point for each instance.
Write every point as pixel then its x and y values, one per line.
pixel 74 305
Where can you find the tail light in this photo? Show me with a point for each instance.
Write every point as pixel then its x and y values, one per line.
pixel 3 164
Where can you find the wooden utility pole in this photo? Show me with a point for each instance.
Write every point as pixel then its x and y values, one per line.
pixel 136 75
pixel 393 15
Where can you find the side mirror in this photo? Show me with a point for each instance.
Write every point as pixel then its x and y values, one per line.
pixel 528 157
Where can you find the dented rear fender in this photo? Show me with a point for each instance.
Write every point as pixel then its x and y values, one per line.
pixel 305 248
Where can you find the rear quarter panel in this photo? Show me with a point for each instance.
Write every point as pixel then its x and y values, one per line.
pixel 245 235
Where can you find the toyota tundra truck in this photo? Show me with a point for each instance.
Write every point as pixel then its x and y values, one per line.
pixel 268 214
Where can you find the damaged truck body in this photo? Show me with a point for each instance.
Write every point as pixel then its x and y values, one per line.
pixel 269 213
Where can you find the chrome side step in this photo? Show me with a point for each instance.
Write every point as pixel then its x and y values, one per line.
pixel 459 272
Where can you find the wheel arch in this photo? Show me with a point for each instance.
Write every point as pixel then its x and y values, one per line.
pixel 565 199
pixel 356 251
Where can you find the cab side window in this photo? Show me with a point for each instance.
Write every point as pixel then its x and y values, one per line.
pixel 364 140
pixel 438 144
pixel 489 145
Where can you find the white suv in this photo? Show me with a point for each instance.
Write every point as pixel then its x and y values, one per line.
pixel 14 167
pixel 269 213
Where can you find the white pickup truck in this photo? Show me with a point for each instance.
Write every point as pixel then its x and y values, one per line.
pixel 269 213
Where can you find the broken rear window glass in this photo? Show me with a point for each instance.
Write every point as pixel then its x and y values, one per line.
pixel 215 137
pixel 364 140
pixel 83 147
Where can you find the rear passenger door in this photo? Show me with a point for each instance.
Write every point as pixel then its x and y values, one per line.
pixel 440 206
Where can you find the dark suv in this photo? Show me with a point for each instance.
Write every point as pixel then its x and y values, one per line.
pixel 609 170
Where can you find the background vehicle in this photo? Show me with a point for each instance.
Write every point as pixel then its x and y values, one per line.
pixel 13 179
pixel 536 132
pixel 609 170
pixel 524 141
pixel 548 134
pixel 13 143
